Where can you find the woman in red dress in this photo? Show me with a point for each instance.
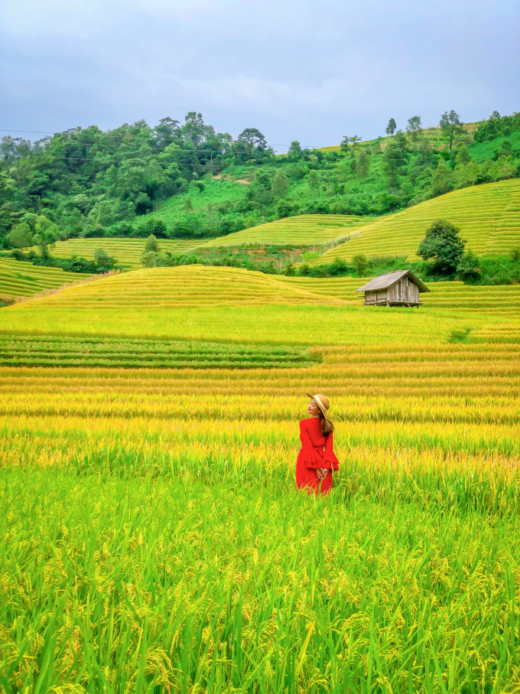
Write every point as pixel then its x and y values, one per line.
pixel 316 460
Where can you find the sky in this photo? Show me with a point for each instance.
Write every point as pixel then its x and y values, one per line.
pixel 312 71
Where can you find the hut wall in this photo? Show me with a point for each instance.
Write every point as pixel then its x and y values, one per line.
pixel 403 291
pixel 413 293
pixel 376 297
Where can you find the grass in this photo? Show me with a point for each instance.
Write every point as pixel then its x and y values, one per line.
pixel 488 216
pixel 303 230
pixel 18 278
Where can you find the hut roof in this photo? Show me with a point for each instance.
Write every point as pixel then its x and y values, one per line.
pixel 385 281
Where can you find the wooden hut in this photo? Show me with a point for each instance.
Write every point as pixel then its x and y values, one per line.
pixel 398 288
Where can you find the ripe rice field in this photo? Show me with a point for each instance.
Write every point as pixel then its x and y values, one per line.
pixel 488 216
pixel 18 278
pixel 303 230
pixel 152 539
pixel 126 251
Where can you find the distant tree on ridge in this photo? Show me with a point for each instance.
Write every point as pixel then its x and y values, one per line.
pixel 391 127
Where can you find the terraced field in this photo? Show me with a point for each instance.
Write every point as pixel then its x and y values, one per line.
pixel 204 286
pixel 488 216
pixel 304 230
pixel 211 304
pixel 16 350
pixel 18 278
pixel 503 299
pixel 152 519
pixel 186 285
pixel 127 252
pixel 153 539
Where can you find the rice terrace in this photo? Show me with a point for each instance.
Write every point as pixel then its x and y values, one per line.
pixel 157 348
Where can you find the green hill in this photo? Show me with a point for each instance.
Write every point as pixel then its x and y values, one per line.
pixel 137 180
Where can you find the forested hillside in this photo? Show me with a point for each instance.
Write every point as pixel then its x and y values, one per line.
pixel 188 181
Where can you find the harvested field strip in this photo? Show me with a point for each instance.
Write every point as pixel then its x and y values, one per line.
pixel 304 230
pixel 488 216
pixel 126 251
pixel 19 278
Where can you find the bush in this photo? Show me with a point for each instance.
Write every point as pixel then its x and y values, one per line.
pixel 103 261
pixel 151 226
pixel 151 245
pixel 361 263
pixel 469 268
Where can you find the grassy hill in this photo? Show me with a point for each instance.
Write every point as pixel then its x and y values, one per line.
pixel 488 216
pixel 303 230
pixel 184 286
pixel 25 279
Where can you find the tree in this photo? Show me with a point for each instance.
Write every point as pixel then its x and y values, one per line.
pixel 280 184
pixel 285 209
pixel 21 236
pixel 151 245
pixel 443 179
pixel 188 205
pixel 295 151
pixel 313 180
pixel 414 127
pixel 103 260
pixel 344 146
pixel 469 267
pixel 363 165
pixel 506 149
pixel 394 163
pixel 46 235
pixel 361 263
pixel 451 126
pixel 391 127
pixel 443 245
pixel 194 129
pixel 462 155
pixel 250 141
pixel 354 141
pixel 347 141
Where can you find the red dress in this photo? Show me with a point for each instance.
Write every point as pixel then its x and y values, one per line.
pixel 316 453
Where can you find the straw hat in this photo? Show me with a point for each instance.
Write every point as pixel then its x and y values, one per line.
pixel 322 401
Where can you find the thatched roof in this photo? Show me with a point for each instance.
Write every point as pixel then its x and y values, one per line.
pixel 385 281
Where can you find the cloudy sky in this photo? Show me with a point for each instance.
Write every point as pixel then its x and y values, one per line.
pixel 296 69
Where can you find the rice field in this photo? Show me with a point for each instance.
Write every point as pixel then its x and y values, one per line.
pixel 488 216
pixel 19 278
pixel 303 230
pixel 152 539
pixel 126 251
